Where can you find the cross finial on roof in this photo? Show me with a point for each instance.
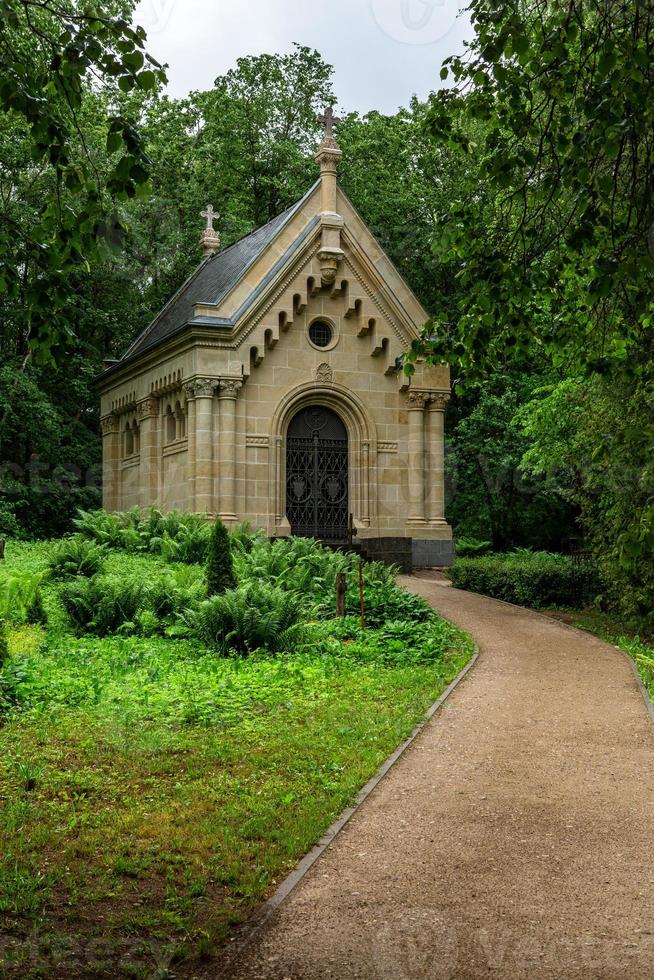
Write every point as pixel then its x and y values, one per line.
pixel 329 120
pixel 209 214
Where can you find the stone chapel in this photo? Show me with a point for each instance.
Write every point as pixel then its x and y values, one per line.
pixel 269 389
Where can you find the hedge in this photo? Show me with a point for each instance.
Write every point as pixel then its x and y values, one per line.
pixel 536 580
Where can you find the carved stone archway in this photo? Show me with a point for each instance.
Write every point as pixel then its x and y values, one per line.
pixel 362 441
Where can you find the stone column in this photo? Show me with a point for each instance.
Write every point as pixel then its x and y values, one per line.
pixel 148 416
pixel 191 436
pixel 436 459
pixel 111 455
pixel 365 477
pixel 417 403
pixel 201 461
pixel 228 393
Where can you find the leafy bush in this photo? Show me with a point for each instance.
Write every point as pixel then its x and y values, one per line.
pixel 254 617
pixel 396 644
pixel 4 643
pixel 17 594
pixel 104 604
pixel 77 556
pixel 220 565
pixel 386 603
pixel 243 537
pixel 470 547
pixel 176 536
pixel 536 580
pixel 35 614
pixel 109 604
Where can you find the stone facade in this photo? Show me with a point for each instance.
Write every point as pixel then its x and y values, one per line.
pixel 196 415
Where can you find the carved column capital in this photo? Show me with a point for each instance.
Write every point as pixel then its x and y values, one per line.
pixel 201 388
pixel 229 388
pixel 418 401
pixel 110 425
pixel 148 408
pixel 438 401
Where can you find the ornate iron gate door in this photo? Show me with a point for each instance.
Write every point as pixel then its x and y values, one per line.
pixel 317 475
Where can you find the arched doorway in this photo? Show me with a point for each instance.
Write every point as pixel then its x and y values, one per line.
pixel 317 475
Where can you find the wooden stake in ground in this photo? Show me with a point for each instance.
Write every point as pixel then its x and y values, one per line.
pixel 341 589
pixel 2 550
pixel 361 596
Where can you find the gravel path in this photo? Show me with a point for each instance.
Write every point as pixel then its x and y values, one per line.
pixel 513 839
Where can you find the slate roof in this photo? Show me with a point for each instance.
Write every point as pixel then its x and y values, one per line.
pixel 214 278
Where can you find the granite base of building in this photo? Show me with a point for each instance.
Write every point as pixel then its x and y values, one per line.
pixel 432 554
pixel 391 551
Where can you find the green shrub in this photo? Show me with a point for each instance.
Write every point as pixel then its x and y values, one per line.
pixel 36 614
pixel 4 643
pixel 132 604
pixel 386 603
pixel 77 556
pixel 17 593
pixel 536 580
pixel 243 537
pixel 220 566
pixel 105 604
pixel 470 547
pixel 254 617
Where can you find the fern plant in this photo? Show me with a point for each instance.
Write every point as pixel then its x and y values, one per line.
pixel 77 556
pixel 17 593
pixel 4 643
pixel 254 617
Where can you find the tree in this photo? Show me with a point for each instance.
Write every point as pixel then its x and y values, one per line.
pixel 53 55
pixel 565 264
pixel 562 265
pixel 220 566
pixel 490 496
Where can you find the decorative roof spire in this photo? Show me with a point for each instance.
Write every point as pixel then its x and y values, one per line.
pixel 329 156
pixel 210 239
pixel 329 120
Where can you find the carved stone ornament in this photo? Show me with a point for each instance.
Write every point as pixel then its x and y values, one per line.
pixel 230 387
pixel 110 425
pixel 418 401
pixel 201 388
pixel 439 400
pixel 324 374
pixel 148 408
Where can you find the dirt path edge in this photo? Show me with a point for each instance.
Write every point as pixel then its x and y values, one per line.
pixel 254 925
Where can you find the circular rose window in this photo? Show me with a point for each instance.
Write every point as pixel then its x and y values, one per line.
pixel 321 333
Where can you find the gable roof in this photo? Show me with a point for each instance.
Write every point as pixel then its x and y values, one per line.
pixel 214 278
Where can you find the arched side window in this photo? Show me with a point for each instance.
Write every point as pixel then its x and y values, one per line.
pixel 128 440
pixel 180 420
pixel 171 425
pixel 136 435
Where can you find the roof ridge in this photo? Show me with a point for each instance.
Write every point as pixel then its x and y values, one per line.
pixel 233 277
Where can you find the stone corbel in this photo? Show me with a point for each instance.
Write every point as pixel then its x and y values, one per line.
pixel 110 424
pixel 148 408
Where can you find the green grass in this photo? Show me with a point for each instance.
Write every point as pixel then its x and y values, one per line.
pixel 618 632
pixel 152 793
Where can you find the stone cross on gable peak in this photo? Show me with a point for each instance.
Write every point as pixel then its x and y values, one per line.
pixel 328 119
pixel 210 215
pixel 209 239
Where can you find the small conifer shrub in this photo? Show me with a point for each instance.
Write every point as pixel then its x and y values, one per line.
pixel 220 567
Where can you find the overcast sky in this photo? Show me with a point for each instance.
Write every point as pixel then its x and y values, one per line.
pixel 383 51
